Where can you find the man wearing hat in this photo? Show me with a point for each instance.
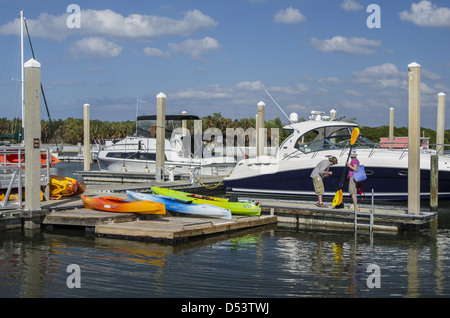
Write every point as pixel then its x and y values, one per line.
pixel 317 175
pixel 352 167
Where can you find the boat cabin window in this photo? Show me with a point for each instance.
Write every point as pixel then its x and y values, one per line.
pixel 324 138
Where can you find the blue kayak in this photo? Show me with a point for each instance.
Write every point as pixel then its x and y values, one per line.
pixel 182 206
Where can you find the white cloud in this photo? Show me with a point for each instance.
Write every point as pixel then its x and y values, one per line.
pixel 329 80
pixel 95 48
pixel 356 46
pixel 201 94
pixel 154 52
pixel 430 75
pixel 250 86
pixel 379 71
pixel 138 27
pixel 427 14
pixel 425 89
pixel 351 5
pixel 384 76
pixel 196 48
pixel 298 89
pixel 289 16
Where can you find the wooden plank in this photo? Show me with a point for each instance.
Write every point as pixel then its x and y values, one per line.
pixel 172 228
pixel 86 217
pixel 394 216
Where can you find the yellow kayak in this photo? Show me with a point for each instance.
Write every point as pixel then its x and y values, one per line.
pixel 65 186
pixel 240 207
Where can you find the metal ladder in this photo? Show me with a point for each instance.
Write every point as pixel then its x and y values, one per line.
pixel 370 216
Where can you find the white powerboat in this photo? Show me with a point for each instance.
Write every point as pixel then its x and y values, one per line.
pixel 137 152
pixel 288 173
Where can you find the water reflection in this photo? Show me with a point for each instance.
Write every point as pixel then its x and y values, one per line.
pixel 264 262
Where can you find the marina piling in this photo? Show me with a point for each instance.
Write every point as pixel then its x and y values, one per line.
pixel 87 133
pixel 391 128
pixel 160 135
pixel 32 143
pixel 440 124
pixel 260 140
pixel 434 181
pixel 414 139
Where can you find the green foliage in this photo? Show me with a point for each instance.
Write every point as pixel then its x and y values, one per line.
pixel 70 130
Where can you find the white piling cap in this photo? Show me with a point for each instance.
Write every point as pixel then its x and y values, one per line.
pixel 441 94
pixel 413 64
pixel 161 95
pixel 32 63
pixel 261 103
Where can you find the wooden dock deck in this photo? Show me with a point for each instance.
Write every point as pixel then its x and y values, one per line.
pixel 169 227
pixel 385 219
pixel 166 227
pixel 178 228
pixel 69 211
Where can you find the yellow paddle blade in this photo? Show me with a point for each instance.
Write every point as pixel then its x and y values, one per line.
pixel 337 200
pixel 354 136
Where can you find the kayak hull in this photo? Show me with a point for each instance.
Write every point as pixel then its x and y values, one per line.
pixel 240 207
pixel 113 204
pixel 183 206
pixel 64 186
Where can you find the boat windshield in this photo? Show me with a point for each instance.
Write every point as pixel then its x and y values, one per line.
pixel 331 137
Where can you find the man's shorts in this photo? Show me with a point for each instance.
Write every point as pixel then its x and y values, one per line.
pixel 318 185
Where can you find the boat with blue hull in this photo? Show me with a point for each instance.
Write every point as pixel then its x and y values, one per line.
pixel 288 173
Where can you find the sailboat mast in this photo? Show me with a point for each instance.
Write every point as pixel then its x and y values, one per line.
pixel 22 69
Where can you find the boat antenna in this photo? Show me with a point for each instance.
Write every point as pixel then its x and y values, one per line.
pixel 281 109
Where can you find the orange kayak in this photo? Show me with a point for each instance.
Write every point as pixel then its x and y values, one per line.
pixel 14 158
pixel 113 204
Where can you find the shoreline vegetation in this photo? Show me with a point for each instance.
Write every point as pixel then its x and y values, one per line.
pixel 70 130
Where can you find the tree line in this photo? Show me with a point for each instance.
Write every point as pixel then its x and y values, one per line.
pixel 70 130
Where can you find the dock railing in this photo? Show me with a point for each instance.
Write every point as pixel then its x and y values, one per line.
pixel 12 165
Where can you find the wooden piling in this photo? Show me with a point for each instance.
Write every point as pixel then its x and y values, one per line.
pixel 434 181
pixel 260 135
pixel 391 128
pixel 414 139
pixel 160 135
pixel 32 141
pixel 440 127
pixel 87 134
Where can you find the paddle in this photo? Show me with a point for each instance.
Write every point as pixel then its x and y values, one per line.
pixel 337 200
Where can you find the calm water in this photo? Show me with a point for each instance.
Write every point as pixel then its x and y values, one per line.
pixel 271 261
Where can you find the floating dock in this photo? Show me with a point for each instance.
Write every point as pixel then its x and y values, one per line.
pixel 156 227
pixel 69 211
pixel 376 218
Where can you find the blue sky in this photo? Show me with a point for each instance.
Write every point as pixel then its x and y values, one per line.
pixel 212 56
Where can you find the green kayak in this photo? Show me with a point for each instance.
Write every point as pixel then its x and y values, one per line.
pixel 240 207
